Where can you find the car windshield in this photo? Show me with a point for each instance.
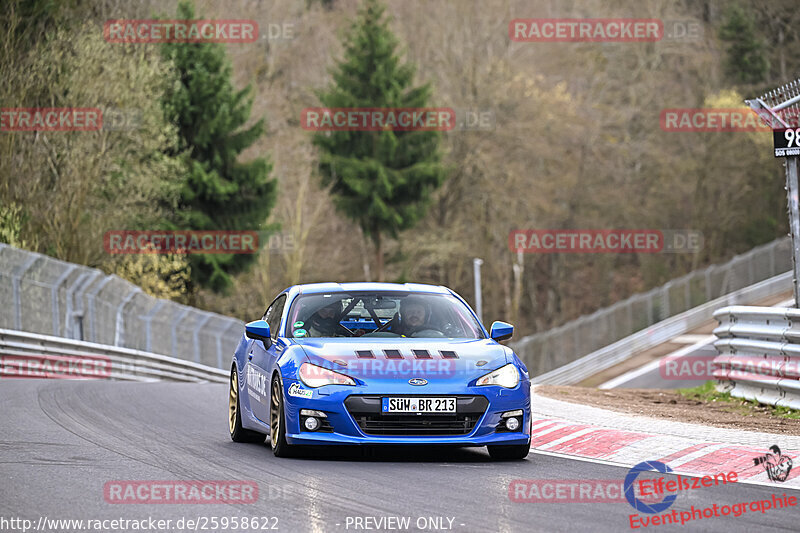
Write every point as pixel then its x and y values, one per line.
pixel 381 314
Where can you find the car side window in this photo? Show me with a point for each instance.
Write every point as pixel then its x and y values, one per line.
pixel 273 315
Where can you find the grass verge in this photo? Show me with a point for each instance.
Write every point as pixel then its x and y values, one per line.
pixel 708 393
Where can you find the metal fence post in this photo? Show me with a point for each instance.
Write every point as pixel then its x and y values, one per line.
pixel 476 269
pixel 177 320
pixel 56 285
pixel 69 313
pixel 16 278
pixel 688 294
pixel 119 325
pixel 91 297
pixel 220 356
pixel 794 221
pixel 196 336
pixel 148 318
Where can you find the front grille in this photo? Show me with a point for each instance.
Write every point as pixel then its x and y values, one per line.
pixel 366 411
pixel 417 425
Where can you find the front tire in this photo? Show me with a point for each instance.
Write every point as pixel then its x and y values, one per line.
pixel 277 421
pixel 514 452
pixel 239 433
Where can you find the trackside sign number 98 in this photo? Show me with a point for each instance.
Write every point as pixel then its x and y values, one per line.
pixel 787 142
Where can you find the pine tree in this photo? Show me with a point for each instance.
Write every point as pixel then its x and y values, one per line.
pixel 218 192
pixel 381 180
pixel 746 60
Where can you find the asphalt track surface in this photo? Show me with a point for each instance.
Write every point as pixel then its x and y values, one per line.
pixel 63 440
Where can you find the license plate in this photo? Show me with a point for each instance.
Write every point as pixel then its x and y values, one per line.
pixel 418 405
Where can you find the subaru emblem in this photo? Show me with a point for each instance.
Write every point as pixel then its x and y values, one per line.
pixel 417 381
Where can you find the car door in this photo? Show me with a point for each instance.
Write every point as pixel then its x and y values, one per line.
pixel 261 360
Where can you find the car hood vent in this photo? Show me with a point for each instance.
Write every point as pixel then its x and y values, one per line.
pixel 393 354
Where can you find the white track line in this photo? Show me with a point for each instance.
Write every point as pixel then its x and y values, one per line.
pixel 653 365
pixel 701 340
pixel 574 434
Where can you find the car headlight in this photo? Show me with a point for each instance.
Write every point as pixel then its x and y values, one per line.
pixel 316 376
pixel 506 376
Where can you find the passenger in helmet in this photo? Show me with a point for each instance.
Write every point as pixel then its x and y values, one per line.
pixel 325 321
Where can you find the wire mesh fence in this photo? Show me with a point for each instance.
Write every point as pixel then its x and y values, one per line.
pixel 557 347
pixel 44 295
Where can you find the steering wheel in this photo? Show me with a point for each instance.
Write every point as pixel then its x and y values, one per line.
pixel 427 333
pixel 450 329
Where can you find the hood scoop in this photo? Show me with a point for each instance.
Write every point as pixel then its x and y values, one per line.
pixel 393 354
pixel 422 354
pixel 396 354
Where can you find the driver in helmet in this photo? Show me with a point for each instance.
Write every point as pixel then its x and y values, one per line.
pixel 413 317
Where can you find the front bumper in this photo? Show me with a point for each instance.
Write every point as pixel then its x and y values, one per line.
pixel 354 415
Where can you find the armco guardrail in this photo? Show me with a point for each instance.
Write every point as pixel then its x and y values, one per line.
pixel 43 295
pixel 759 354
pixel 24 354
pixel 622 350
pixel 579 338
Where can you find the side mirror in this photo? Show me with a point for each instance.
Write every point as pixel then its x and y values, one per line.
pixel 501 331
pixel 258 330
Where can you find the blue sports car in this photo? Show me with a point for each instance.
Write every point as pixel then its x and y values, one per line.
pixel 378 363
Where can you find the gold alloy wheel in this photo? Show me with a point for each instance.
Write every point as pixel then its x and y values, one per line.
pixel 275 414
pixel 233 400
